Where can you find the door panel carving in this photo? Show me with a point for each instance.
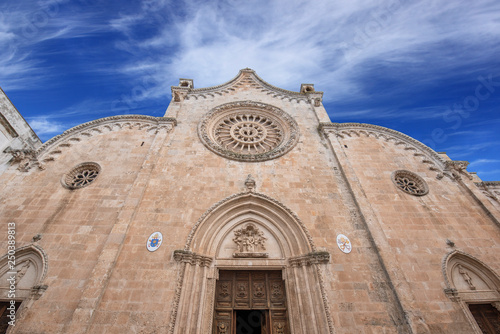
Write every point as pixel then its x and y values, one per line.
pixel 262 291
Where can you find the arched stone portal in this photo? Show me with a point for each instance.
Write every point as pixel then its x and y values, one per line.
pixel 476 288
pixel 251 232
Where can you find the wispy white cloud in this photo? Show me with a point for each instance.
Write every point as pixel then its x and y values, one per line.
pixel 333 44
pixel 480 162
pixel 44 126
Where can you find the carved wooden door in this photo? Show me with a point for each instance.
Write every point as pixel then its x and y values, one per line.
pixel 487 317
pixel 250 302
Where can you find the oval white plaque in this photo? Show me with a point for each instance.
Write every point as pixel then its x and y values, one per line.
pixel 344 243
pixel 154 241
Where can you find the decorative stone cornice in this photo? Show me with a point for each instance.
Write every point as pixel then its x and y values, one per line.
pixel 55 146
pixel 245 77
pixel 488 184
pixel 309 259
pixel 239 196
pixel 429 156
pixel 192 258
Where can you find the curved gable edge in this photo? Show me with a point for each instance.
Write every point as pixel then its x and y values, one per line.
pixel 429 156
pixel 55 146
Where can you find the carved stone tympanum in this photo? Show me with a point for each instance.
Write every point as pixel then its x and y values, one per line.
pixel 249 241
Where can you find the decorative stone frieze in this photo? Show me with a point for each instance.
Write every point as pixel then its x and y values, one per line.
pixel 309 259
pixel 192 258
pixel 248 131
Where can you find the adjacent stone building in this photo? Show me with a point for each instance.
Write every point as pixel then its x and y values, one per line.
pixel 245 210
pixel 15 135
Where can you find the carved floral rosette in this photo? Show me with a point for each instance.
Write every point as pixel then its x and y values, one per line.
pixel 248 131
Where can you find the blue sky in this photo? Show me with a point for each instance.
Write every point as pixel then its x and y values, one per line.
pixel 428 68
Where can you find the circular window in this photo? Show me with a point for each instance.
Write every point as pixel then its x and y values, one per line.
pixel 410 182
pixel 81 176
pixel 248 131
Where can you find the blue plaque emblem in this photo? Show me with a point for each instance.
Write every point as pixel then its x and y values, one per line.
pixel 154 241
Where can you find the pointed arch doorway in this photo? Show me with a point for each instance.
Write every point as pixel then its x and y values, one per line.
pixel 250 260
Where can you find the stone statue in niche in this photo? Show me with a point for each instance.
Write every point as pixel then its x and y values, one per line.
pixel 249 241
pixel 466 276
pixel 22 271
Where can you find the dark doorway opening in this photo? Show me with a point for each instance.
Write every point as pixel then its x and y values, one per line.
pixel 250 321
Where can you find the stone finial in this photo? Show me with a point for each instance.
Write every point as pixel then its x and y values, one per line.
pixel 306 88
pixel 450 243
pixel 186 83
pixel 250 183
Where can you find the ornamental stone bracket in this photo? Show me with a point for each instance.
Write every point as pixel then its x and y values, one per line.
pixel 309 259
pixel 454 170
pixel 452 294
pixel 37 291
pixel 26 160
pixel 192 258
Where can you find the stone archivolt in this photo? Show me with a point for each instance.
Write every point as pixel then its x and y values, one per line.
pixel 248 131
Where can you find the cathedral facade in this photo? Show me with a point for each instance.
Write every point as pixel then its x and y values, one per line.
pixel 245 210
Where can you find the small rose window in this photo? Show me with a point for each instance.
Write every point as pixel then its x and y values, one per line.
pixel 410 183
pixel 81 176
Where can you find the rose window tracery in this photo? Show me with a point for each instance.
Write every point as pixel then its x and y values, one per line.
pixel 248 131
pixel 81 176
pixel 410 183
